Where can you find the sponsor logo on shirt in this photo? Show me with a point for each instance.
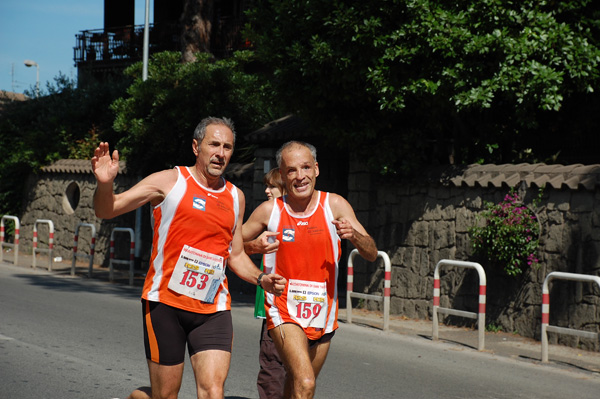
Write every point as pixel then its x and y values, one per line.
pixel 288 234
pixel 199 203
pixel 314 230
pixel 302 223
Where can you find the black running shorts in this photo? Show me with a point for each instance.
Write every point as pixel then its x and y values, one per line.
pixel 324 339
pixel 167 330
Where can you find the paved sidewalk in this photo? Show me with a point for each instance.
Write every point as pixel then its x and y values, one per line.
pixel 62 267
pixel 496 344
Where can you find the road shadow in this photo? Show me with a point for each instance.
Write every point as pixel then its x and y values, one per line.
pixel 81 284
pixel 563 364
pixel 63 281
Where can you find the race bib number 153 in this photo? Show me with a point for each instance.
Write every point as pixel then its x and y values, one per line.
pixel 197 274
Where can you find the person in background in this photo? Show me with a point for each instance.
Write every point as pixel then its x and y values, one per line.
pixel 271 376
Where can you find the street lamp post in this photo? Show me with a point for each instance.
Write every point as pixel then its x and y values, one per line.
pixel 29 63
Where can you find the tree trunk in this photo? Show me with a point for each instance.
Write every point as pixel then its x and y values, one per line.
pixel 196 21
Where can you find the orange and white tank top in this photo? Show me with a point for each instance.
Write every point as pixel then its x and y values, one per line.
pixel 307 257
pixel 193 230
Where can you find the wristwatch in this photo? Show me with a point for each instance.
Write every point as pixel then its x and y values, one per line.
pixel 259 279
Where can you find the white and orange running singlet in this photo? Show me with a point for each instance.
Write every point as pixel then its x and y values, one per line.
pixel 308 257
pixel 193 230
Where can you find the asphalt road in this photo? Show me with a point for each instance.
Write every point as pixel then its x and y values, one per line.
pixel 63 337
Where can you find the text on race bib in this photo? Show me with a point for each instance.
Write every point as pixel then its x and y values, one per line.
pixel 307 302
pixel 197 274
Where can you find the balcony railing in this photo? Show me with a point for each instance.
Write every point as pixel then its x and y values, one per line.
pixel 126 43
pixel 99 45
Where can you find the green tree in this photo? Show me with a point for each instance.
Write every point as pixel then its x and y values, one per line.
pixel 419 81
pixel 159 115
pixel 58 124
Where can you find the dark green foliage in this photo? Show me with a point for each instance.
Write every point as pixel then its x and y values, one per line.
pixel 403 83
pixel 160 114
pixel 58 124
pixel 410 83
pixel 154 119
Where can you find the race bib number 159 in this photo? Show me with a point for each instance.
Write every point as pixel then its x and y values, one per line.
pixel 307 302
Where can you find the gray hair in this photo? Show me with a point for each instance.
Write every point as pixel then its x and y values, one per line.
pixel 200 131
pixel 311 148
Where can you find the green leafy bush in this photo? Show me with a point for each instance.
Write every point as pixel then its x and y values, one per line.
pixel 158 116
pixel 510 236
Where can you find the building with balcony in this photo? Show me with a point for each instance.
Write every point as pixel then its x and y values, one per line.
pixel 101 53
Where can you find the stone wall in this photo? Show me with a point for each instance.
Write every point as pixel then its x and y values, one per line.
pixel 421 223
pixel 53 196
pixel 63 193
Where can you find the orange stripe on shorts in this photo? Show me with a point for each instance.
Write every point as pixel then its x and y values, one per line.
pixel 154 353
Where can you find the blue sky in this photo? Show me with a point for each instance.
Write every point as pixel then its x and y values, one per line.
pixel 44 31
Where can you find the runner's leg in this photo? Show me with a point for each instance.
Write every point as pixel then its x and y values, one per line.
pixel 318 354
pixel 165 380
pixel 141 393
pixel 210 369
pixel 292 345
pixel 164 342
pixel 209 346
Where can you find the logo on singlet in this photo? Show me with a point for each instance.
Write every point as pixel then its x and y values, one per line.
pixel 302 223
pixel 288 234
pixel 199 203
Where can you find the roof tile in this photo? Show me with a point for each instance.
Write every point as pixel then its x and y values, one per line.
pixel 76 166
pixel 573 177
pixel 84 166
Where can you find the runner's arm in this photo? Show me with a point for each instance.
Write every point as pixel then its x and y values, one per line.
pixel 107 204
pixel 151 189
pixel 348 227
pixel 266 242
pixel 242 265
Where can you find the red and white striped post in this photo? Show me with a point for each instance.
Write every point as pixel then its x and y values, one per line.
pixel 131 260
pixel 350 278
pixel 89 256
pixel 50 248
pixel 480 315
pixel 546 327
pixel 15 244
pixel 436 293
pixel 385 298
pixel 482 300
pixel 131 250
pixel 545 321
